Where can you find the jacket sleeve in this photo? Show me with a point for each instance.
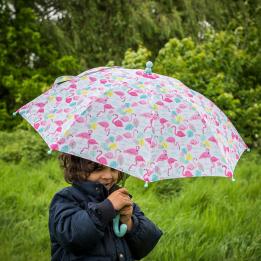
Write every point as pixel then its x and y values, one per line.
pixel 75 227
pixel 144 234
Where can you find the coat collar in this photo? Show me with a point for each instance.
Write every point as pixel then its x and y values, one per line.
pixel 90 188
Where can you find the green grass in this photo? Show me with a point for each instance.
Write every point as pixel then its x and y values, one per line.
pixel 202 218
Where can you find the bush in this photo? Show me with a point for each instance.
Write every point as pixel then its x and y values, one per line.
pixel 222 69
pixel 22 145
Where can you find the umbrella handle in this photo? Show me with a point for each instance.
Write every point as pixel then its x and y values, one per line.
pixel 121 230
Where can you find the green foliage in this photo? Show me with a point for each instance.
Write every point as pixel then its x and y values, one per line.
pixel 22 145
pixel 136 59
pixel 203 219
pixel 221 68
pixel 29 64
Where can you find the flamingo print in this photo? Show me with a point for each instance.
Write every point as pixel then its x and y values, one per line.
pixel 171 161
pixel 166 99
pixel 116 122
pixel 163 156
pixel 178 133
pixel 106 106
pixel 121 95
pixel 132 93
pixel 228 173
pixel 146 176
pixel 89 142
pixel 133 151
pixel 138 159
pixel 85 135
pixel 100 159
pixel 153 117
pixel 162 122
pixel 185 173
pixel 105 126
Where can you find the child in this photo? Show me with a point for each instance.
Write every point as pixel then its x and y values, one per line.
pixel 80 220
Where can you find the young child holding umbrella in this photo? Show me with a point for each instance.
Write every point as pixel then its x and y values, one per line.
pixel 80 220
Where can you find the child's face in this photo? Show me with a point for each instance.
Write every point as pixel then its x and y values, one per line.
pixel 108 177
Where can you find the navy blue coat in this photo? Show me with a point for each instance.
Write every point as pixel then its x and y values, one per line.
pixel 80 226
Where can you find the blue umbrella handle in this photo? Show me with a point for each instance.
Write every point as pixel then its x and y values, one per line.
pixel 121 230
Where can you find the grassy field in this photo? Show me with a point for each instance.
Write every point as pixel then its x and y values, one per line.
pixel 202 218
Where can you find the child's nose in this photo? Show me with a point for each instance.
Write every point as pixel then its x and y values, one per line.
pixel 107 174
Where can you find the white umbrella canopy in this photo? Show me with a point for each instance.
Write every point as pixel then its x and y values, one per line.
pixel 148 125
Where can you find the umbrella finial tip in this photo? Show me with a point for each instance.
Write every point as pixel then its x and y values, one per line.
pixel 146 185
pixel 248 150
pixel 49 152
pixel 233 179
pixel 149 65
pixel 14 113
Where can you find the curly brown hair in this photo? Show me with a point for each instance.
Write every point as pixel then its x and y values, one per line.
pixel 79 169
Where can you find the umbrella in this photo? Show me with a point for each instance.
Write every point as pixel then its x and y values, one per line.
pixel 150 126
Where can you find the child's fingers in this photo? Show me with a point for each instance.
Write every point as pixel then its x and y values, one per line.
pixel 123 190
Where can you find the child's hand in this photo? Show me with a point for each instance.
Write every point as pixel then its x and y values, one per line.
pixel 125 214
pixel 120 198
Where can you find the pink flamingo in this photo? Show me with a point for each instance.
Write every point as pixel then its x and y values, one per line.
pixel 185 173
pixel 213 160
pixel 59 98
pixel 127 118
pixel 147 175
pixel 153 117
pixel 183 106
pixel 78 118
pixel 36 125
pixel 166 99
pixel 195 117
pixel 226 149
pixel 54 146
pixel 234 136
pixel 89 142
pixel 162 122
pixel 61 141
pixel 213 139
pixel 160 103
pixel 132 93
pixel 138 159
pixel 120 94
pixel 171 161
pixel 194 142
pixel 116 122
pixel 41 106
pixel 68 99
pixel 105 125
pixel 204 122
pixel 99 100
pixel 133 151
pixel 163 156
pixel 103 81
pixel 129 135
pixel 151 142
pixel 100 159
pixel 106 106
pixel 110 155
pixel 178 133
pixel 205 155
pixel 190 166
pixel 71 86
pixel 228 173
pixel 85 135
pixel 172 140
